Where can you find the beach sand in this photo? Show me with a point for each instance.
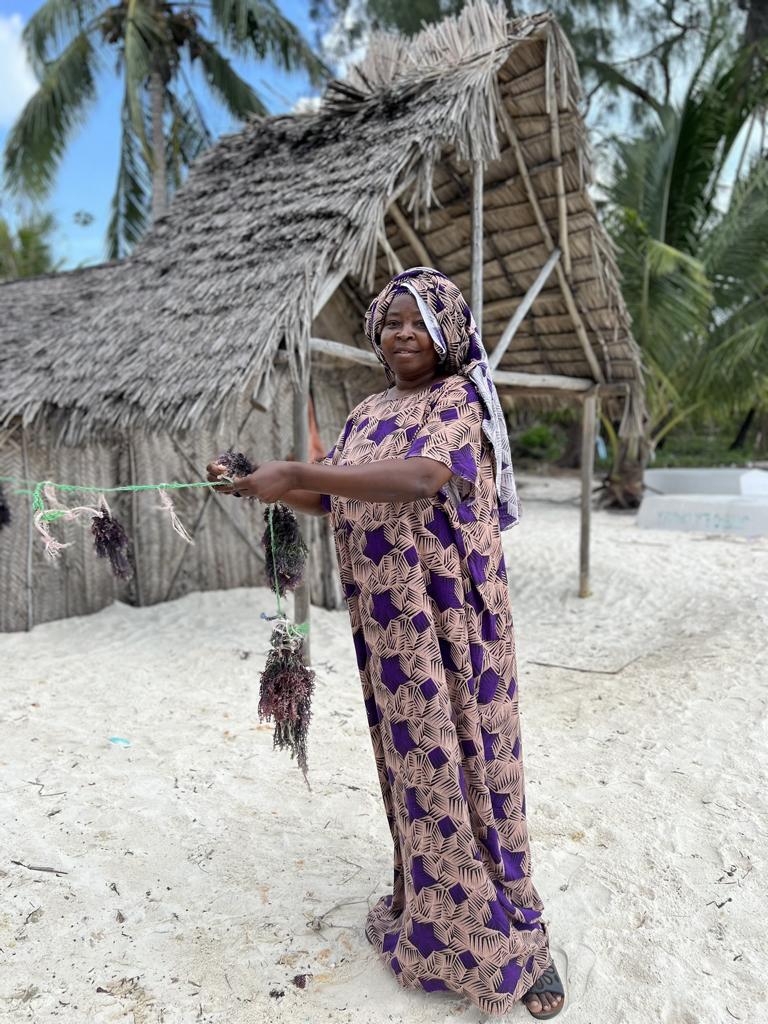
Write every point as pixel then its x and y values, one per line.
pixel 199 876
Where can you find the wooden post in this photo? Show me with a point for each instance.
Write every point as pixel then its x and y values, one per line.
pixel 30 533
pixel 519 315
pixel 588 424
pixel 135 524
pixel 477 243
pixel 301 606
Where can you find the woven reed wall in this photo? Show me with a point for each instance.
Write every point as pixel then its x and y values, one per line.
pixel 227 547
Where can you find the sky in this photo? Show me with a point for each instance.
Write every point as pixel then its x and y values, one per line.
pixel 88 172
pixel 86 179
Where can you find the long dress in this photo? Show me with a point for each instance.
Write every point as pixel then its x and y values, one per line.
pixel 426 587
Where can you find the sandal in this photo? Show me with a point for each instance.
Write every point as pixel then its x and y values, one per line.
pixel 548 982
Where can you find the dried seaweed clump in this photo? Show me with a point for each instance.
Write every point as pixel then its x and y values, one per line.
pixel 112 542
pixel 284 549
pixel 5 512
pixel 286 692
pixel 237 464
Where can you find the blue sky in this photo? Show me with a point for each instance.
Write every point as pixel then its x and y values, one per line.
pixel 87 175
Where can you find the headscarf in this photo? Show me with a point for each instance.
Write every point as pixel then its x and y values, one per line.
pixel 460 349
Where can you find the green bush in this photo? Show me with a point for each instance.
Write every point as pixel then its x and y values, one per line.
pixel 539 442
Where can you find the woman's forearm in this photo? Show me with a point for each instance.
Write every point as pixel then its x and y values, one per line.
pixel 305 501
pixel 383 480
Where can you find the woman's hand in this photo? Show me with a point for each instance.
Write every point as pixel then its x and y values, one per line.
pixel 269 482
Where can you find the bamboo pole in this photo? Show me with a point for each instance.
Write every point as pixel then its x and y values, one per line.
pixel 301 604
pixel 565 287
pixel 409 234
pixel 477 243
pixel 519 315
pixel 552 108
pixel 135 524
pixel 588 422
pixel 30 527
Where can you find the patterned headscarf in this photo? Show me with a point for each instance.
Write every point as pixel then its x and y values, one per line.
pixel 460 349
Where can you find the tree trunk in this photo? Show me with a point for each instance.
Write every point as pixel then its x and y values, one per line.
pixel 741 438
pixel 159 187
pixel 622 487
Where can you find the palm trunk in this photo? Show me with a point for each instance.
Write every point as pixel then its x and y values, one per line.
pixel 159 187
pixel 741 438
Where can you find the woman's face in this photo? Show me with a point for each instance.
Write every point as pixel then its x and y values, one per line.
pixel 406 343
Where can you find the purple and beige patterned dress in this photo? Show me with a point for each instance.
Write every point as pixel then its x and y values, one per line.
pixel 426 587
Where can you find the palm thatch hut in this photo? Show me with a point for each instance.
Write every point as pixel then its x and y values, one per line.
pixel 463 149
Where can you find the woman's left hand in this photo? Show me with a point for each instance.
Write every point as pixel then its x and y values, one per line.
pixel 268 483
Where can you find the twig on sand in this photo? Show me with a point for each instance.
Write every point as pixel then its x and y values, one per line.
pixel 32 867
pixel 591 671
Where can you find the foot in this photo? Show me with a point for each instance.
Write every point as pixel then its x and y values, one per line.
pixel 542 1003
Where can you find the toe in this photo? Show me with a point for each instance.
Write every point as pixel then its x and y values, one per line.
pixel 534 1004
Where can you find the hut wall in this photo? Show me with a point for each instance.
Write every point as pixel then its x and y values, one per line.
pixel 75 584
pixel 227 532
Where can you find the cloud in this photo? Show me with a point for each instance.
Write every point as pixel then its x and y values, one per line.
pixel 17 81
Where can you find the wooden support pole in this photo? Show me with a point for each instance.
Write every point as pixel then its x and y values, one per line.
pixel 553 111
pixel 135 525
pixel 30 534
pixel 565 288
pixel 409 234
pixel 588 424
pixel 519 315
pixel 477 243
pixel 301 605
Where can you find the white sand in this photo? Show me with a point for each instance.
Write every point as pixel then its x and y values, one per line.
pixel 201 874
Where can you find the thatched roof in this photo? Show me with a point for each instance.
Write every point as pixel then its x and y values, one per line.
pixel 168 337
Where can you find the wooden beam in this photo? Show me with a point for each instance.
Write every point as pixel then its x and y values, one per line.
pixel 341 351
pixel 328 287
pixel 477 243
pixel 553 111
pixel 409 234
pixel 558 381
pixel 519 315
pixel 578 323
pixel 301 605
pixel 392 258
pixel 588 422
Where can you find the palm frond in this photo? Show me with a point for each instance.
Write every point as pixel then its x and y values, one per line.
pixel 232 90
pixel 39 136
pixel 143 39
pixel 131 201
pixel 52 26
pixel 188 137
pixel 258 28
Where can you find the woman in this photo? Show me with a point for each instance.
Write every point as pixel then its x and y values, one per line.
pixel 418 487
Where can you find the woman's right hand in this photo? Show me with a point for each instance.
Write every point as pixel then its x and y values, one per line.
pixel 215 470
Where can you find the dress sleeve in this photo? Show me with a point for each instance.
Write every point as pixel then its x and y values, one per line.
pixel 452 433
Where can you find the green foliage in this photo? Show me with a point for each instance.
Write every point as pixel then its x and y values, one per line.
pixel 27 250
pixel 539 442
pixel 154 42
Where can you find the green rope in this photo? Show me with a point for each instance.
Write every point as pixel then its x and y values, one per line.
pixel 50 515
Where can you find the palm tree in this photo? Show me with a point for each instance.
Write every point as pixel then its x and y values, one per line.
pixel 694 274
pixel 26 251
pixel 163 130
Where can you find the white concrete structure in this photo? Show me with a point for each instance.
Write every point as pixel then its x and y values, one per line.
pixel 730 500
